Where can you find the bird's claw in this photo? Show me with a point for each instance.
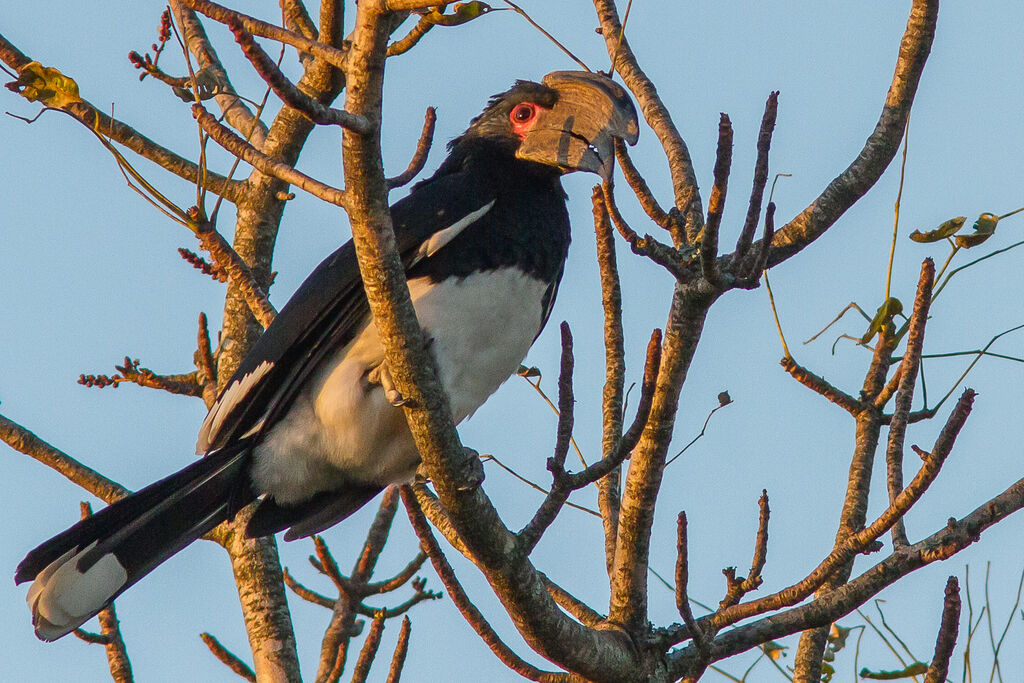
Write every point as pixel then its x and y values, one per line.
pixel 382 376
pixel 473 472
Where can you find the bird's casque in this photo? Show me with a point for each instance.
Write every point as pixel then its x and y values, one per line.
pixel 309 426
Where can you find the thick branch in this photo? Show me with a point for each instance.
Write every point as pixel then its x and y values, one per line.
pixel 643 479
pixel 598 654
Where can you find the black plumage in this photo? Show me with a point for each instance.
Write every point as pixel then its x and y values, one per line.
pixel 305 422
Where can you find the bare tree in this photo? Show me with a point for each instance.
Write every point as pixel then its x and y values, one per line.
pixel 582 642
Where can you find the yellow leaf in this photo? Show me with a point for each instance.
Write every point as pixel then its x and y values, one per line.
pixel 464 11
pixel 38 83
pixel 883 319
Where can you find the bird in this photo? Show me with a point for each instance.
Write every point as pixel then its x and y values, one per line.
pixel 310 426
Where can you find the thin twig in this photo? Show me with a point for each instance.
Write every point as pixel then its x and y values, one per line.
pixel 332 56
pixel 458 595
pixel 764 142
pixel 228 658
pixel 288 91
pixel 716 204
pixel 682 580
pixel 520 11
pixel 409 40
pixel 227 139
pixel 419 157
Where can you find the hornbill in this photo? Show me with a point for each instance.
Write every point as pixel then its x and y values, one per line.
pixel 309 425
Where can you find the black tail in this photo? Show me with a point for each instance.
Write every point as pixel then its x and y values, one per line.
pixel 78 572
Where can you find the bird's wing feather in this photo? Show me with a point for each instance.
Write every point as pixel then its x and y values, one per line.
pixel 326 312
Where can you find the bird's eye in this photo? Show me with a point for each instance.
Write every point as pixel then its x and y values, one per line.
pixel 522 113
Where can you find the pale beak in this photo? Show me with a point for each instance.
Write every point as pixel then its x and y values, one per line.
pixel 578 133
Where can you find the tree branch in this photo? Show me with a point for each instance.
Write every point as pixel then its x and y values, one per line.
pixel 228 658
pixel 24 441
pixel 946 639
pixel 330 55
pixel 472 615
pixel 236 112
pixel 615 368
pixel 130 138
pixel 716 205
pixel 764 143
pixel 943 544
pixel 419 157
pixel 288 92
pixel 880 148
pixel 684 180
pixel 905 393
pixel 224 137
pixel 601 655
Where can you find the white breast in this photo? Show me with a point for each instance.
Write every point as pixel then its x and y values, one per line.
pixel 342 429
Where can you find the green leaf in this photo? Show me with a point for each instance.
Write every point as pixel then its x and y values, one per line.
pixel 882 322
pixel 945 229
pixel 524 371
pixel 915 669
pixel 984 228
pixel 38 83
pixel 464 11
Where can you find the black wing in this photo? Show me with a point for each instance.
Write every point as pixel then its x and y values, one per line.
pixel 326 312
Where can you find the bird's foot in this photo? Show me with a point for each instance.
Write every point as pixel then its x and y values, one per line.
pixel 473 471
pixel 382 376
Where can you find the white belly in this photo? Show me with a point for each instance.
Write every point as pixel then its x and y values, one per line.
pixel 342 429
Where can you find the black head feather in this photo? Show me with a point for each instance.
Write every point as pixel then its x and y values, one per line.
pixel 493 122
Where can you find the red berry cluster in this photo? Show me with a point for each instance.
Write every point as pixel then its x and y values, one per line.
pixel 146 62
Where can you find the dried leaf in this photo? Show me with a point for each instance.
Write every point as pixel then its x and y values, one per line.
pixel 945 229
pixel 38 83
pixel 984 228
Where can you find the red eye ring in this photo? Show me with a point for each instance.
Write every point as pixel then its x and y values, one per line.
pixel 522 113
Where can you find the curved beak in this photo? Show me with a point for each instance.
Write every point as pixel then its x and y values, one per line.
pixel 578 133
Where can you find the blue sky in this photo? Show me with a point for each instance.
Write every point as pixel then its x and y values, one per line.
pixel 89 273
